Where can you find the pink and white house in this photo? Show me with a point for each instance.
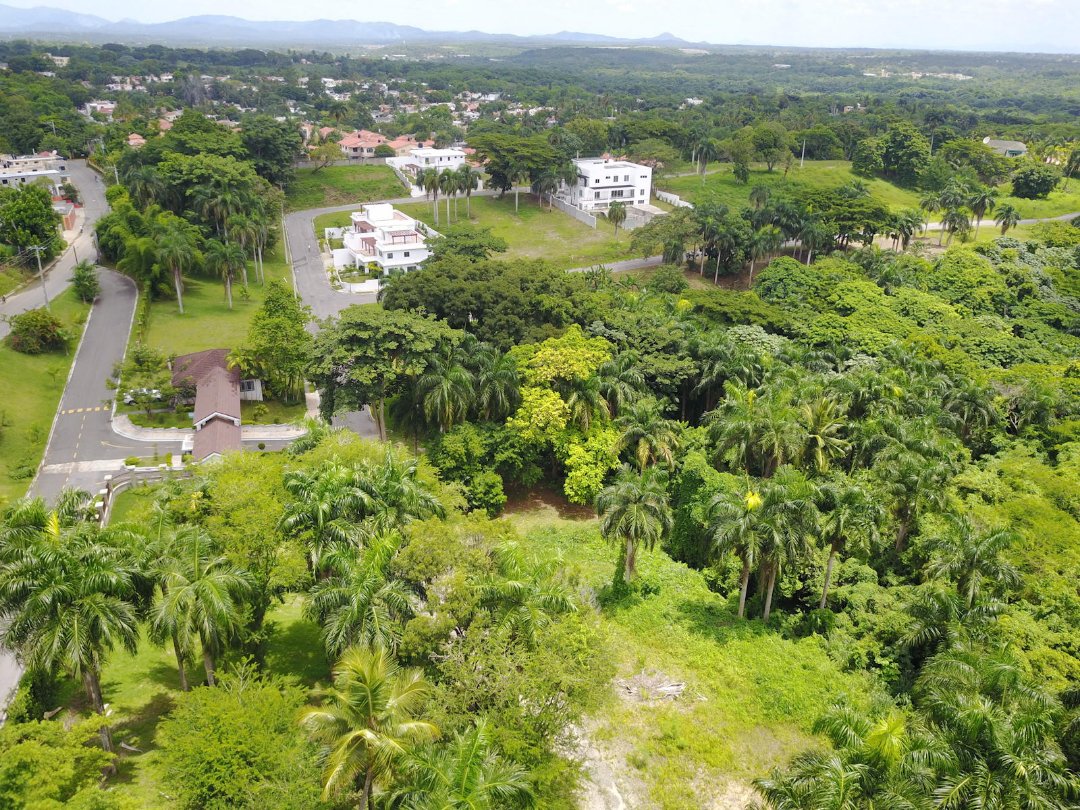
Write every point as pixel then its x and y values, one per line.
pixel 381 236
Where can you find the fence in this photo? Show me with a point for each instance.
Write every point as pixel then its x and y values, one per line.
pixel 114 484
pixel 576 213
pixel 672 199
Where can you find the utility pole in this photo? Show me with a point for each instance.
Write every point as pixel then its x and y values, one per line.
pixel 41 273
pixel 802 157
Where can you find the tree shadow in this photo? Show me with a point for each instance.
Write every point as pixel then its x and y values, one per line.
pixel 717 622
pixel 296 649
pixel 139 726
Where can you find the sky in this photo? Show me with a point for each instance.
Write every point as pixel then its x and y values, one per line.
pixel 999 25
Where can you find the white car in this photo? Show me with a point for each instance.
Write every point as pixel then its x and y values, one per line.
pixel 129 396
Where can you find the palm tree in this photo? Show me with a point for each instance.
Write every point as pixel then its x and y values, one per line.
pixel 956 221
pixel 650 437
pixel 468 182
pixel 546 183
pixel 972 558
pixel 585 402
pixel 931 204
pixel 616 215
pixel 446 389
pixel 325 508
pixel 497 384
pixel 765 240
pixel 1007 217
pixel 396 493
pixel 982 200
pixel 448 185
pixel 245 232
pixel 815 236
pixel 733 526
pixel 201 598
pixel 359 603
pixel 621 382
pixel 759 196
pixel 916 483
pixel 144 185
pixel 66 596
pixel 824 422
pixel 177 250
pixel 705 150
pixel 524 596
pixel 366 722
pixel 788 520
pixel 634 512
pixel 850 519
pixel 465 774
pixel 225 258
pixel 428 179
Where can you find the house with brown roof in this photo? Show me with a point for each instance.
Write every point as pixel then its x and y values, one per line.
pixel 217 391
pixel 361 144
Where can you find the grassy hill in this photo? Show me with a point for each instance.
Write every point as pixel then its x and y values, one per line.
pixel 339 185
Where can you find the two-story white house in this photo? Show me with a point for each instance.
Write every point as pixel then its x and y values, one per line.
pixel 15 170
pixel 601 181
pixel 382 236
pixel 427 157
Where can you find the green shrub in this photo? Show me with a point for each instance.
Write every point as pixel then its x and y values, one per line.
pixel 486 494
pixel 37 331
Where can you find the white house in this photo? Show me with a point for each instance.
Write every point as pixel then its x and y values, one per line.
pixel 601 181
pixel 382 236
pixel 427 157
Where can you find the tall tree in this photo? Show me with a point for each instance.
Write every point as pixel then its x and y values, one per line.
pixel 616 215
pixel 634 512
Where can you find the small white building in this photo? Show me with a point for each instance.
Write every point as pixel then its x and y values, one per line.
pixel 381 236
pixel 20 169
pixel 601 181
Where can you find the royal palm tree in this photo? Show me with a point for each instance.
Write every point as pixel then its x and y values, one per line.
pixel 634 512
pixel 759 196
pixel 545 185
pixel 395 491
pixel 824 422
pixel 467 773
pixel 225 259
pixel 705 150
pixel 585 402
pixel 178 251
pixel 765 240
pixel 202 597
pixel 956 221
pixel 523 596
pixel 649 436
pixel 326 507
pixel 468 182
pixel 851 517
pixel 144 185
pixel 360 603
pixel 621 382
pixel 788 521
pixel 448 185
pixel 497 384
pixel 446 390
pixel 367 722
pixel 982 200
pixel 733 518
pixel 245 232
pixel 66 596
pixel 428 180
pixel 616 215
pixel 1007 217
pixel 972 558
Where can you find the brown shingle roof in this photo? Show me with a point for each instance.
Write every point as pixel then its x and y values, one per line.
pixel 218 392
pixel 192 368
pixel 216 436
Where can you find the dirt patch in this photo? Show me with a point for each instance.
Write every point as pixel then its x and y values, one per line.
pixel 649 688
pixel 541 498
pixel 607 783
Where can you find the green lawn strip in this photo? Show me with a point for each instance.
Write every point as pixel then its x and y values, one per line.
pixel 161 419
pixel 133 504
pixel 10 278
pixel 338 185
pixel 32 386
pixel 1057 203
pixel 751 696
pixel 275 413
pixel 142 688
pixel 207 322
pixel 534 232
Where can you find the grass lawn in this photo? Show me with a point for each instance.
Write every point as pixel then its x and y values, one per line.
pixel 162 419
pixel 32 386
pixel 133 504
pixel 339 185
pixel 142 688
pixel 531 233
pixel 207 322
pixel 536 233
pixel 10 278
pixel 276 413
pixel 720 182
pixel 751 696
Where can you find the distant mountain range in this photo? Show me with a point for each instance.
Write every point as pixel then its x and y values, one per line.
pixel 43 22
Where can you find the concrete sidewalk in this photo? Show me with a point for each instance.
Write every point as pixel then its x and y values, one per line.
pixel 122 426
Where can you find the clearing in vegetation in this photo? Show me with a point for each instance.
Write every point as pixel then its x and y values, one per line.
pixel 340 185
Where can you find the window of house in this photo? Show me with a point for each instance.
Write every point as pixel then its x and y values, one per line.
pixel 596 195
pixel 389 255
pixel 406 254
pixel 247 386
pixel 626 178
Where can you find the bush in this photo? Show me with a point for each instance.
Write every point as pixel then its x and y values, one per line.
pixel 486 494
pixel 668 279
pixel 37 331
pixel 382 150
pixel 1034 181
pixel 85 282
